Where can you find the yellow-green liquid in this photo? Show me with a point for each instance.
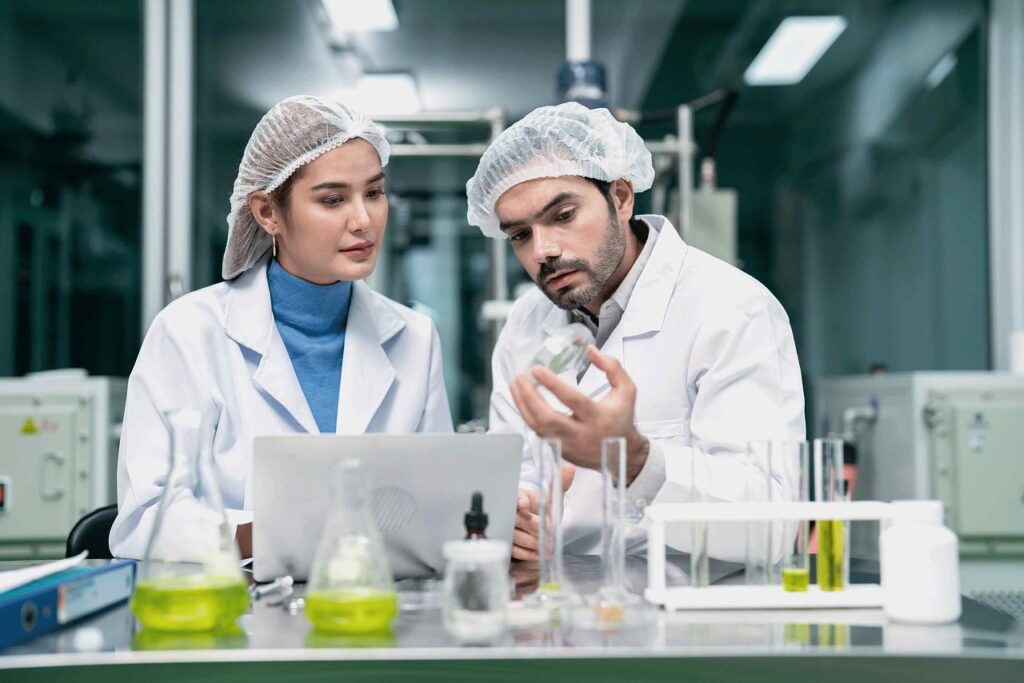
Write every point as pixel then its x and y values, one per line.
pixel 190 603
pixel 551 587
pixel 351 611
pixel 795 580
pixel 831 555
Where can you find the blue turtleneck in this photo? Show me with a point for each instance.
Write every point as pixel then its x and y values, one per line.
pixel 312 319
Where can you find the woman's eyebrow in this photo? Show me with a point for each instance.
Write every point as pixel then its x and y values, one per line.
pixel 332 185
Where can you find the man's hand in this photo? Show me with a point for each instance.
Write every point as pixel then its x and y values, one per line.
pixel 243 537
pixel 581 432
pixel 525 540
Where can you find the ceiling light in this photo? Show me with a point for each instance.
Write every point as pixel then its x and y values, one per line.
pixel 394 93
pixel 793 50
pixel 350 16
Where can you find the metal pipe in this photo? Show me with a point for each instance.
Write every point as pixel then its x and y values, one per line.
pixel 153 158
pixel 851 416
pixel 499 247
pixel 181 146
pixel 431 150
pixel 481 117
pixel 577 30
pixel 684 134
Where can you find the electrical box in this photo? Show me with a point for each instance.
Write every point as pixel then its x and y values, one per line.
pixel 59 436
pixel 953 436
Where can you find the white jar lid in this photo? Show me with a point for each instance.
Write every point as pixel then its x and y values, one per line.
pixel 480 550
pixel 923 511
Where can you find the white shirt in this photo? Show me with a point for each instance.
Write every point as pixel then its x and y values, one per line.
pixel 218 351
pixel 712 355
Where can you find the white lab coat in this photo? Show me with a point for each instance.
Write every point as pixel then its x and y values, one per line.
pixel 218 350
pixel 712 355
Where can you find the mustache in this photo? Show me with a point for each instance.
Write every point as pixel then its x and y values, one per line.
pixel 549 268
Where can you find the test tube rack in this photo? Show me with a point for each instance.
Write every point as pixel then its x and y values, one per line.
pixel 755 597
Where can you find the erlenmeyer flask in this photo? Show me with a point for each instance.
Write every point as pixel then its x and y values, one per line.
pixel 190 579
pixel 350 589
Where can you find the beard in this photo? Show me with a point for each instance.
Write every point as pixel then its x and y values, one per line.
pixel 606 261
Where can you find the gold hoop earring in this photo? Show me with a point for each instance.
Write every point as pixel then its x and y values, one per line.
pixel 273 241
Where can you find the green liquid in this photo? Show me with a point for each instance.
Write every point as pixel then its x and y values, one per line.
pixel 551 587
pixel 190 603
pixel 831 555
pixel 351 611
pixel 795 580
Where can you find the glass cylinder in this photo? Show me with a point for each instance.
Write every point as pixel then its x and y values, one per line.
pixel 700 562
pixel 758 489
pixel 350 589
pixel 552 588
pixel 190 579
pixel 796 571
pixel 475 594
pixel 833 559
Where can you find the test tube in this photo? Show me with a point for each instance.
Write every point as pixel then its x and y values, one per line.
pixel 796 572
pixel 700 566
pixel 613 542
pixel 833 567
pixel 551 588
pixel 758 480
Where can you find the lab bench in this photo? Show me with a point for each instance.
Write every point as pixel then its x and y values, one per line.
pixel 273 644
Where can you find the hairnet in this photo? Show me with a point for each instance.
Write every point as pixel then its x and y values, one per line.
pixel 293 133
pixel 567 139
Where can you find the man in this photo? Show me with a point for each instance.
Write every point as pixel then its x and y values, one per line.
pixel 696 358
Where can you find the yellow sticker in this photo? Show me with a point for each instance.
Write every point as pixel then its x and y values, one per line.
pixel 29 427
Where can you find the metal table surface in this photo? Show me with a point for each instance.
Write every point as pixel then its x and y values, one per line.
pixel 274 644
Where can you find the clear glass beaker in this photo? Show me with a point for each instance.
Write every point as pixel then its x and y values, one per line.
pixel 833 559
pixel 190 579
pixel 475 589
pixel 758 489
pixel 350 589
pixel 796 572
pixel 565 349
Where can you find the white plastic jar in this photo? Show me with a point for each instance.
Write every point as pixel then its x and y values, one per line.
pixel 475 590
pixel 920 565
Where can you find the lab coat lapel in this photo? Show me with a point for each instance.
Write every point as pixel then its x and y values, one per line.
pixel 249 320
pixel 366 372
pixel 648 304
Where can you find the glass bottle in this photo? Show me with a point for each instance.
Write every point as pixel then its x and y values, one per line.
pixel 565 349
pixel 190 579
pixel 350 589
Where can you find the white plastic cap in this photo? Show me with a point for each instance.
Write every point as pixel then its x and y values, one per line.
pixel 482 550
pixel 922 511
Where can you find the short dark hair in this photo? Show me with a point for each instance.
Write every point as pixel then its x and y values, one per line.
pixel 605 188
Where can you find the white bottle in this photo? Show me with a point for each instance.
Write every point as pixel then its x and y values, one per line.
pixel 920 565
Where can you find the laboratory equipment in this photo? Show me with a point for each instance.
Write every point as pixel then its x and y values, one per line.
pixel 758 486
pixel 796 572
pixel 476 519
pixel 952 436
pixel 289 471
pixel 58 457
pixel 833 558
pixel 552 592
pixel 350 589
pixel 476 590
pixel 614 606
pixel 700 561
pixel 920 572
pixel 565 349
pixel 190 579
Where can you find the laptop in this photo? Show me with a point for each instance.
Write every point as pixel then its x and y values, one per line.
pixel 422 488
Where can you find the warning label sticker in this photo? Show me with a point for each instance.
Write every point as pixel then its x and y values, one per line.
pixel 29 426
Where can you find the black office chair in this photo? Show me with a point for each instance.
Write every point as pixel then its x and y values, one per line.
pixel 91 533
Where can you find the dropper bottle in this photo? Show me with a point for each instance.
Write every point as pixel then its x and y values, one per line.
pixel 476 518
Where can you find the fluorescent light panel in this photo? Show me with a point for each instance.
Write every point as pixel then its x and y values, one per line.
pixel 942 68
pixel 387 94
pixel 793 50
pixel 351 16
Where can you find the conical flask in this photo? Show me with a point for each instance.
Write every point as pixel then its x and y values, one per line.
pixel 350 588
pixel 190 579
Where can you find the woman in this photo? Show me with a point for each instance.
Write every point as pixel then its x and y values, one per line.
pixel 292 341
